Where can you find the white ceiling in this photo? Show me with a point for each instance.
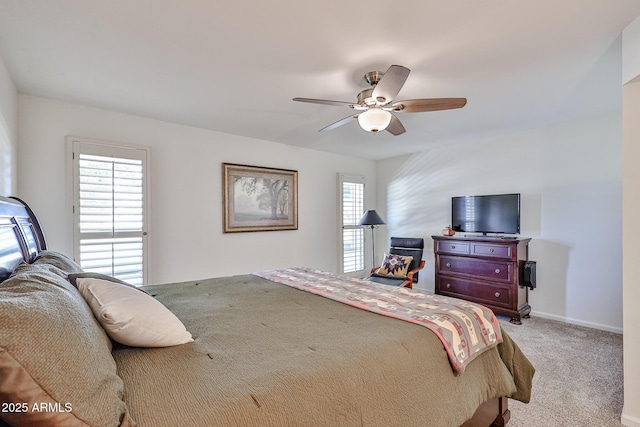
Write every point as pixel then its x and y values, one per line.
pixel 234 66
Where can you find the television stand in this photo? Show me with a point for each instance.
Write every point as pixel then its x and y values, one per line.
pixel 485 270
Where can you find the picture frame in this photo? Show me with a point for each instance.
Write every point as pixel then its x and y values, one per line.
pixel 259 198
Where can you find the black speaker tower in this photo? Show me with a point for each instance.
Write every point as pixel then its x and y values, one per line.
pixel 529 274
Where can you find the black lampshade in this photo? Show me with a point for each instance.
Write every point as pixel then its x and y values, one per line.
pixel 370 218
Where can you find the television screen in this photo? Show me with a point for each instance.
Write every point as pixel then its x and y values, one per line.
pixel 498 214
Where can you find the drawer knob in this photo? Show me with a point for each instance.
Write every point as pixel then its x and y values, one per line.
pixel 453 246
pixel 497 271
pixel 497 294
pixel 448 285
pixel 448 264
pixel 492 250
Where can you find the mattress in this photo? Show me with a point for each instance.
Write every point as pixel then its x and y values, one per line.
pixel 265 354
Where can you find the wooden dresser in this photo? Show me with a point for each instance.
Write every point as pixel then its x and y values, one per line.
pixel 485 270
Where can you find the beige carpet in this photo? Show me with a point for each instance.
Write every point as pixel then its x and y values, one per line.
pixel 578 380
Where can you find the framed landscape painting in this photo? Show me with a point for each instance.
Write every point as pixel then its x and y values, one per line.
pixel 259 198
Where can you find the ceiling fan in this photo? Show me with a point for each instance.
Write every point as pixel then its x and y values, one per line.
pixel 375 106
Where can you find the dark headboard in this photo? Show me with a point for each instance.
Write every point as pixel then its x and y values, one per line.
pixel 21 237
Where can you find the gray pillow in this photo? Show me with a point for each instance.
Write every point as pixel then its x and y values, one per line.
pixel 65 264
pixel 54 352
pixel 89 275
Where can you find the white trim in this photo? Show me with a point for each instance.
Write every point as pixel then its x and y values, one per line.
pixel 359 179
pixel 73 144
pixel 629 421
pixel 577 322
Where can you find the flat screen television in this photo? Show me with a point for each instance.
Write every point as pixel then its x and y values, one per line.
pixel 498 213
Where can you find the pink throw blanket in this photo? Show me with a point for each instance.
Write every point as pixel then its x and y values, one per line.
pixel 465 329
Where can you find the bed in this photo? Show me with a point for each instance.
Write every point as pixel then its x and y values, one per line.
pixel 255 353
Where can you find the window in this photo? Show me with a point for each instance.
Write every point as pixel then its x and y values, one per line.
pixel 110 209
pixel 351 194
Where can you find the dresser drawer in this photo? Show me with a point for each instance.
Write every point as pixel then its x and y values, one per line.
pixel 484 270
pixel 452 247
pixel 500 271
pixel 474 291
pixel 489 250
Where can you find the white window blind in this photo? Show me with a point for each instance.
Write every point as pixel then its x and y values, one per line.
pixel 110 210
pixel 352 237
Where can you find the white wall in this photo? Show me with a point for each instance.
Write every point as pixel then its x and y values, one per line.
pixel 631 51
pixel 186 190
pixel 630 215
pixel 570 179
pixel 631 268
pixel 8 133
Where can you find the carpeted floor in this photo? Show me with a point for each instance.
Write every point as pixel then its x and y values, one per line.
pixel 578 380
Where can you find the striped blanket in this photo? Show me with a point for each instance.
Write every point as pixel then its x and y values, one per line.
pixel 464 328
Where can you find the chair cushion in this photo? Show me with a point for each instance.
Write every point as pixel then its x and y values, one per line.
pixel 408 246
pixel 407 242
pixel 386 280
pixel 395 265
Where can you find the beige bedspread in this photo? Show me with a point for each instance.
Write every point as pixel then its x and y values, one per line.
pixel 269 355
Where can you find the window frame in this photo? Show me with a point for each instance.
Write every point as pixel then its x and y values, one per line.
pixel 77 145
pixel 341 180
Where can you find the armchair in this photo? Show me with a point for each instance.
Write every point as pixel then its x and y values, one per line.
pixel 402 246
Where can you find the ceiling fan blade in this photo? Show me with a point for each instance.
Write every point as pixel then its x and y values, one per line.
pixel 395 127
pixel 390 84
pixel 325 102
pixel 433 104
pixel 339 123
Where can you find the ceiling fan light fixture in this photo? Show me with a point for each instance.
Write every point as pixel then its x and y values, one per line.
pixel 376 107
pixel 374 120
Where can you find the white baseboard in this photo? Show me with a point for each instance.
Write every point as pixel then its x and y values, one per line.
pixel 629 421
pixel 578 322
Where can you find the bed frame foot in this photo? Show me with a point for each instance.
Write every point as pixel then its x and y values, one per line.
pixel 504 414
pixel 492 413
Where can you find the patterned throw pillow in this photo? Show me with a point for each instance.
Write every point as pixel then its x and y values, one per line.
pixel 395 265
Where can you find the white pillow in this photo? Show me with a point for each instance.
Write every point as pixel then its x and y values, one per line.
pixel 131 317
